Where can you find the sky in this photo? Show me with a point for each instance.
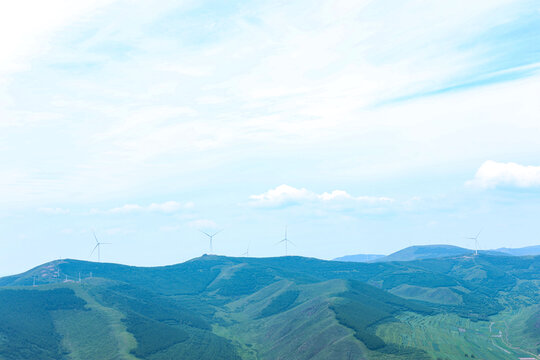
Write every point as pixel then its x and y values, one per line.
pixel 361 126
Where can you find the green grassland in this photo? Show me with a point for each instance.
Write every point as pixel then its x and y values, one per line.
pixel 441 295
pixel 482 307
pixel 307 329
pixel 448 336
pixel 519 329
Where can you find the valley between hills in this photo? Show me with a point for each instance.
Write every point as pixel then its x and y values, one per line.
pixel 216 307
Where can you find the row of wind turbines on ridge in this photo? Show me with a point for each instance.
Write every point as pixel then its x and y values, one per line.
pixel 285 241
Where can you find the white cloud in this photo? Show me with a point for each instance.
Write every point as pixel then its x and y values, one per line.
pixel 26 25
pixel 282 195
pixel 285 195
pixel 292 82
pixel 492 174
pixel 53 211
pixel 165 207
pixel 337 195
pixel 195 71
pixel 126 209
pixel 211 100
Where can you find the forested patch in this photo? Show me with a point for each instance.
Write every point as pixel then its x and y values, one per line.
pixel 280 303
pixel 26 325
pixel 245 281
pixel 131 299
pixel 152 336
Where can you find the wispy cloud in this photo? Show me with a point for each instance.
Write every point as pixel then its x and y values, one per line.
pixel 25 33
pixel 169 206
pixel 53 211
pixel 158 94
pixel 165 207
pixel 492 174
pixel 157 99
pixel 285 195
pixel 127 208
pixel 185 70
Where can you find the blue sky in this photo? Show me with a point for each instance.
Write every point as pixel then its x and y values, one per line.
pixel 365 126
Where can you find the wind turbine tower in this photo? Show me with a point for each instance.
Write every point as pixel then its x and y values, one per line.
pixel 98 247
pixel 211 237
pixel 246 254
pixel 475 238
pixel 286 241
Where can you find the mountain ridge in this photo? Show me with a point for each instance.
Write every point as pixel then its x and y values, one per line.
pixel 218 307
pixel 417 252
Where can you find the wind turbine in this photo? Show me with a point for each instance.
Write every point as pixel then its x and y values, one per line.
pixel 98 247
pixel 211 237
pixel 246 254
pixel 475 238
pixel 286 241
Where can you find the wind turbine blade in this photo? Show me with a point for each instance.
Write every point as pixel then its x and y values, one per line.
pixel 290 242
pixel 95 247
pixel 279 242
pixel 95 237
pixel 205 233
pixel 105 243
pixel 217 232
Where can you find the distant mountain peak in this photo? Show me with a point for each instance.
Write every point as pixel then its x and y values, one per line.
pixel 419 252
pixel 359 257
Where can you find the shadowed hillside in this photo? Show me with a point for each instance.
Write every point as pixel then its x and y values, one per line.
pixel 216 307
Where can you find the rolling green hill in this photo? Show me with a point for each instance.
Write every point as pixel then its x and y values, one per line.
pixel 216 307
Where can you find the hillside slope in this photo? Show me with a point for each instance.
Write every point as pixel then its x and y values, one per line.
pixel 216 307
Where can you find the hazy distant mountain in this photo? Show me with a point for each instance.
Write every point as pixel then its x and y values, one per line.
pixel 359 257
pixel 524 251
pixel 410 253
pixel 426 252
pixel 419 252
pixel 295 308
